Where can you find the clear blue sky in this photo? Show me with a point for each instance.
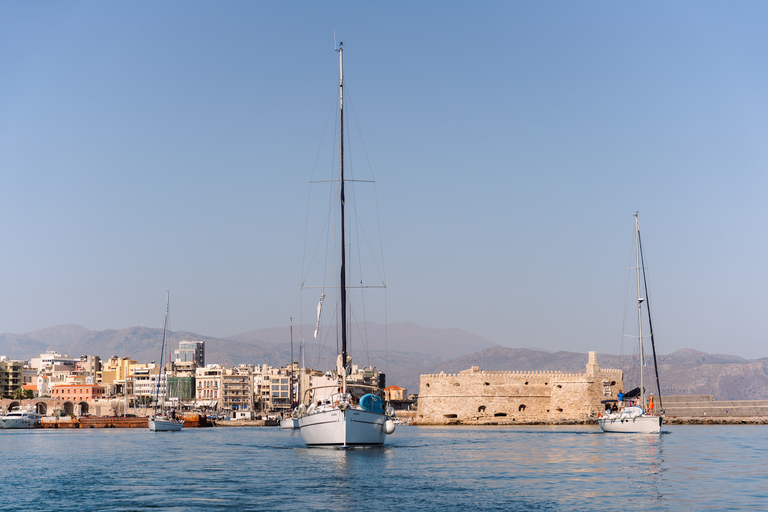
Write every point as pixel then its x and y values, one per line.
pixel 147 146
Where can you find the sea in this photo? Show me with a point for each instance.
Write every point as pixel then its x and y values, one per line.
pixel 691 467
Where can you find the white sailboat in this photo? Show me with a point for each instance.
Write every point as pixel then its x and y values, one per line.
pixel 290 422
pixel 338 419
pixel 162 421
pixel 638 416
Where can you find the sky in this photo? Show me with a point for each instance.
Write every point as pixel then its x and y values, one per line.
pixel 150 146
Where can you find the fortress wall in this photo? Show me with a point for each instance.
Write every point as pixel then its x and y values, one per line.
pixel 476 397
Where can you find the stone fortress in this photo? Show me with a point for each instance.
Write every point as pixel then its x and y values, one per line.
pixel 475 397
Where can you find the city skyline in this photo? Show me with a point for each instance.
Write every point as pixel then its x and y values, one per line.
pixel 152 147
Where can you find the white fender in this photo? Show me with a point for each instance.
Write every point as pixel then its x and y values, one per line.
pixel 389 426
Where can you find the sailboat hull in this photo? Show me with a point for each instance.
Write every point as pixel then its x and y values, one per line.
pixel 640 425
pixel 164 425
pixel 349 427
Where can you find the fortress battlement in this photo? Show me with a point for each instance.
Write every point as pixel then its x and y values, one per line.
pixel 475 396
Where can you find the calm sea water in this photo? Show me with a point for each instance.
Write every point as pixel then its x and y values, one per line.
pixel 420 468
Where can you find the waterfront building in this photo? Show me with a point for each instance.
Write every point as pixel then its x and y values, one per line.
pixel 74 398
pixel 88 366
pixel 11 373
pixel 237 388
pixel 481 397
pixel 395 393
pixel 145 384
pixel 114 373
pixel 51 359
pixel 190 352
pixel 28 375
pixel 208 386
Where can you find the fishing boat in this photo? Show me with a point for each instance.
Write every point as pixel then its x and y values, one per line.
pixel 637 414
pixel 19 418
pixel 161 420
pixel 337 417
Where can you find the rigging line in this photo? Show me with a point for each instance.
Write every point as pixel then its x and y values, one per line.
pixel 382 271
pixel 650 324
pixel 376 199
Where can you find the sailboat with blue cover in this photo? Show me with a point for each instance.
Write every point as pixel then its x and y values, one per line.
pixel 336 417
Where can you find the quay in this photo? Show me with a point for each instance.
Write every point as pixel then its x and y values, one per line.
pixel 190 421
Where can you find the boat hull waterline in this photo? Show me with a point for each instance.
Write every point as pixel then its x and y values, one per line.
pixel 164 425
pixel 23 420
pixel 640 425
pixel 348 427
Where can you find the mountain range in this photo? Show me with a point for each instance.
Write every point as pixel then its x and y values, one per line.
pixel 403 351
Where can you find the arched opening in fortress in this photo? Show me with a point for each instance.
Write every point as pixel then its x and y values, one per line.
pixel 41 408
pixel 69 408
pixel 481 408
pixel 83 406
pixel 521 408
pixel 14 405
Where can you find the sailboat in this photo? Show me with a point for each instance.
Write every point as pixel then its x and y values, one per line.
pixel 339 419
pixel 290 422
pixel 638 414
pixel 162 421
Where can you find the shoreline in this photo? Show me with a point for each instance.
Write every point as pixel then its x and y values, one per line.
pixel 672 420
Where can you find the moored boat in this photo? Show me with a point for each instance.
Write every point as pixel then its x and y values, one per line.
pixel 21 419
pixel 161 420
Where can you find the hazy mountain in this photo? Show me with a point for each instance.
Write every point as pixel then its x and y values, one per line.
pixel 684 372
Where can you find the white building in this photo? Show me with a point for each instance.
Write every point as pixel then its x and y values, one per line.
pixel 208 386
pixel 145 383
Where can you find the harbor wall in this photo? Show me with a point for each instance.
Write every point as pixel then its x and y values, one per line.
pixel 705 406
pixel 475 397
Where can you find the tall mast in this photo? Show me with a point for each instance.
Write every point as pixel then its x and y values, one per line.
pixel 639 310
pixel 342 277
pixel 162 348
pixel 301 375
pixel 290 381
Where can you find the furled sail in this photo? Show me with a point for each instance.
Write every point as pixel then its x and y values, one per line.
pixel 319 310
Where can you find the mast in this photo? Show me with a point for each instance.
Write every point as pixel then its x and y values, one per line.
pixel 301 375
pixel 639 310
pixel 342 277
pixel 162 347
pixel 291 374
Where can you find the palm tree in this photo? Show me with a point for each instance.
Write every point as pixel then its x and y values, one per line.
pixel 18 394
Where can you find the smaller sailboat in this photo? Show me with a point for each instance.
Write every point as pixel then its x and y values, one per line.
pixel 290 422
pixel 637 416
pixel 161 421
